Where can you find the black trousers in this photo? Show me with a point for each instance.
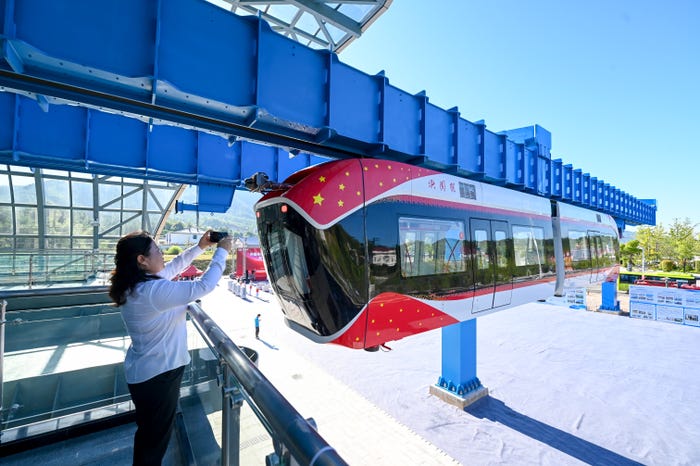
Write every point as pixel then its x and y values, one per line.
pixel 156 402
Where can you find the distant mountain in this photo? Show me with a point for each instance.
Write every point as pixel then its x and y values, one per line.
pixel 239 218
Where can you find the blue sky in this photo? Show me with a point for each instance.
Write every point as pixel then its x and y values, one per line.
pixel 616 82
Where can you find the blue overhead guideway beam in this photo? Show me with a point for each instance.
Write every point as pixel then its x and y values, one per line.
pixel 184 91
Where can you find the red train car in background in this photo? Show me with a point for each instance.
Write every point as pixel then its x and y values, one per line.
pixel 249 264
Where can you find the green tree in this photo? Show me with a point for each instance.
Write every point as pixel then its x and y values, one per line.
pixel 652 241
pixel 630 251
pixel 679 245
pixel 682 241
pixel 173 225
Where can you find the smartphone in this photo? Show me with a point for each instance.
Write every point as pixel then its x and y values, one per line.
pixel 217 236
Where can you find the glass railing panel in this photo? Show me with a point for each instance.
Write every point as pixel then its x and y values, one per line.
pixel 246 390
pixel 254 442
pixel 31 267
pixel 63 366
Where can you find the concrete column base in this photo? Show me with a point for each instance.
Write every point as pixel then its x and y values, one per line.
pixel 457 400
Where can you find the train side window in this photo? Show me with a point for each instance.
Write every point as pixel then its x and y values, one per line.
pixel 528 242
pixel 578 245
pixel 408 254
pixel 427 264
pixel 481 249
pixel 501 248
pixel 451 248
pixel 609 255
pixel 431 246
pixel 596 249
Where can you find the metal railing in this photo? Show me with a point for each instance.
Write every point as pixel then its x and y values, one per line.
pixel 79 309
pixel 3 308
pixel 225 378
pixel 295 439
pixel 38 267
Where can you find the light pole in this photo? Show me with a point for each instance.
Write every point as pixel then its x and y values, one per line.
pixel 245 246
pixel 643 262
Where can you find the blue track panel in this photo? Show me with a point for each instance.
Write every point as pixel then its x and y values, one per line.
pixel 81 139
pixel 197 55
pixel 7 119
pixel 351 112
pixel 586 189
pixel 191 64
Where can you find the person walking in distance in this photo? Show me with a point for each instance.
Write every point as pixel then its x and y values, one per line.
pixel 257 326
pixel 154 310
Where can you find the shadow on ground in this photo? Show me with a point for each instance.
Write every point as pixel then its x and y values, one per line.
pixel 576 447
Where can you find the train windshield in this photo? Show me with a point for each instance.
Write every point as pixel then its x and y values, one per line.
pixel 287 262
pixel 318 275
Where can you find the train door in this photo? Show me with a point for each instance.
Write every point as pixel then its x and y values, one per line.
pixel 492 253
pixel 596 253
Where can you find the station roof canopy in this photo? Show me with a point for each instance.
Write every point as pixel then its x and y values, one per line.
pixel 314 23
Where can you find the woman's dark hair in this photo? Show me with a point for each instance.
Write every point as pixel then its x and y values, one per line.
pixel 127 272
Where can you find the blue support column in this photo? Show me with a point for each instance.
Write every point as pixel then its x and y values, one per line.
pixel 609 297
pixel 458 384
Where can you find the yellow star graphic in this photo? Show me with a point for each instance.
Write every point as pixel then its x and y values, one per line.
pixel 318 199
pixel 341 187
pixel 376 165
pixel 341 203
pixel 358 193
pixel 381 183
pixel 322 179
pixel 347 173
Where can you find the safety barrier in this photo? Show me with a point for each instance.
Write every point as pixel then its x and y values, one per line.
pixel 40 267
pixel 45 395
pixel 292 435
pixel 665 304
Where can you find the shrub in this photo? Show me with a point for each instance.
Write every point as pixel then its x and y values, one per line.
pixel 203 264
pixel 667 265
pixel 174 250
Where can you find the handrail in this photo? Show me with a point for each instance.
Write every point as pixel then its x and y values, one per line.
pixel 26 293
pixel 3 309
pixel 295 433
pixel 36 267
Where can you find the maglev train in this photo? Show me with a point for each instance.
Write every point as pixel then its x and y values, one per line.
pixel 361 252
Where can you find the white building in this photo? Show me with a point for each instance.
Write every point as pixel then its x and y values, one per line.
pixel 250 242
pixel 184 237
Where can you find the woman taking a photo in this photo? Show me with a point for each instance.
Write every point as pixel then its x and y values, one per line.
pixel 154 310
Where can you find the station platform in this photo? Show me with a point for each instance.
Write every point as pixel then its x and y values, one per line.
pixel 566 386
pixel 361 432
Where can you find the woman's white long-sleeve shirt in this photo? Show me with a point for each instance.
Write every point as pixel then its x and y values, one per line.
pixel 155 316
